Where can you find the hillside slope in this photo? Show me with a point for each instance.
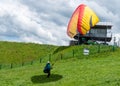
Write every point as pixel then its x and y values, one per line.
pixel 99 70
pixel 14 52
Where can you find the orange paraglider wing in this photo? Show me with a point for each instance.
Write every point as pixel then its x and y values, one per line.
pixel 81 21
pixel 72 26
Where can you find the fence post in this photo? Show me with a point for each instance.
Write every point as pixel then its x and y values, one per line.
pixel 98 48
pixel 61 56
pixel 113 48
pixel 109 48
pixel 22 63
pixel 31 62
pixel 73 52
pixel 40 60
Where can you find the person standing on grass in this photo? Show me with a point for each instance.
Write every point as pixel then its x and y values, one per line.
pixel 47 69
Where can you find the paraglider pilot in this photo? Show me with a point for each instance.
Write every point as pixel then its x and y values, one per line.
pixel 47 69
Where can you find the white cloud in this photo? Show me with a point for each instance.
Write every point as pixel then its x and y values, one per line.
pixel 46 21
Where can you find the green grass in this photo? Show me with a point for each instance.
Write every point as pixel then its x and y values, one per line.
pixel 17 53
pixel 71 69
pixel 13 52
pixel 102 69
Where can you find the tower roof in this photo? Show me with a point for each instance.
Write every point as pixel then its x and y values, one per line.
pixel 103 25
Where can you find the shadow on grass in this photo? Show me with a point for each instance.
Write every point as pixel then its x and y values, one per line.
pixel 43 78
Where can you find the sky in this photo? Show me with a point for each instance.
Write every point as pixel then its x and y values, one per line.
pixel 46 21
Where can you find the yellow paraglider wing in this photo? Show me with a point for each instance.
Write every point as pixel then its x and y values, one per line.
pixel 81 21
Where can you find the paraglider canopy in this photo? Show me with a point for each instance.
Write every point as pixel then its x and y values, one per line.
pixel 81 21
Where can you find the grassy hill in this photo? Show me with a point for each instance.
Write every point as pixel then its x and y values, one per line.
pixel 103 70
pixel 99 68
pixel 13 52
